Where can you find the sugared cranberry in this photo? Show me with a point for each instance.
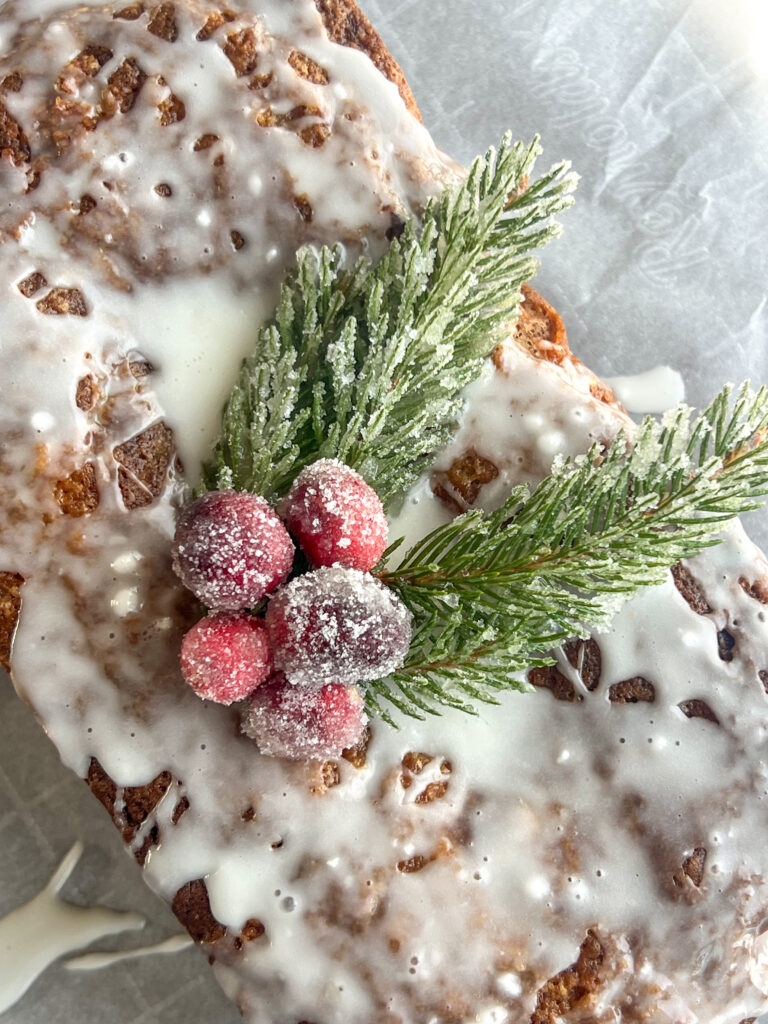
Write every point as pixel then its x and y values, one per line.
pixel 231 549
pixel 336 517
pixel 337 625
pixel 301 724
pixel 225 657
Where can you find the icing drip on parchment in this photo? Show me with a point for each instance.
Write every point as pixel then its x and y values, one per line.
pixel 654 390
pixel 97 961
pixel 46 928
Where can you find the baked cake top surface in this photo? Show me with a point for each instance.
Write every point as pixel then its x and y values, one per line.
pixel 628 800
pixel 180 165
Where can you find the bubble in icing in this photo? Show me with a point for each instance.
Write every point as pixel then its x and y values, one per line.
pixel 337 518
pixel 231 549
pixel 225 657
pixel 300 724
pixel 337 625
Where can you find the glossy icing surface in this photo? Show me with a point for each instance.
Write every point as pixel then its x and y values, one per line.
pixel 526 826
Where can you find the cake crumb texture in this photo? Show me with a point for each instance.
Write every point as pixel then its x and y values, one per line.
pixel 143 463
pixel 135 803
pixel 10 604
pixel 571 989
pixel 540 328
pixel 78 494
pixel 162 22
pixel 192 907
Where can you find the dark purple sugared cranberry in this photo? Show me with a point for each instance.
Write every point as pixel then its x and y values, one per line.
pixel 337 625
pixel 230 549
pixel 300 724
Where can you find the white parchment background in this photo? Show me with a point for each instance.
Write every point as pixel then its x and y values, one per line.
pixel 663 109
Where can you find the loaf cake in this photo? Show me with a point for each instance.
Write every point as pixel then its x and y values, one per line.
pixel 591 852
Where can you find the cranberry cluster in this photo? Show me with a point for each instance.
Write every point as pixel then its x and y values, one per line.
pixel 323 630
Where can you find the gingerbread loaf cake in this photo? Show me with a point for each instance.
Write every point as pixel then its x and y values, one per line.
pixel 593 852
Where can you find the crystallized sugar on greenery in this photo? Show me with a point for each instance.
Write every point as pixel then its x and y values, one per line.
pixel 366 363
pixel 492 593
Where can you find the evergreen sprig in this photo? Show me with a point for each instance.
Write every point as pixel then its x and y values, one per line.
pixel 492 593
pixel 366 363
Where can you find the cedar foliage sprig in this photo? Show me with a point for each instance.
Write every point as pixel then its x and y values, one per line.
pixel 367 363
pixel 492 593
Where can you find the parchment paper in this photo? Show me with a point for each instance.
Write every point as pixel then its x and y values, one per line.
pixel 663 109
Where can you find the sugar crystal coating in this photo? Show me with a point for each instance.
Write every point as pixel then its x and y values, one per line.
pixel 231 549
pixel 300 724
pixel 337 518
pixel 337 624
pixel 225 657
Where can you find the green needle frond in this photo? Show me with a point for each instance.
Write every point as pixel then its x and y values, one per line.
pixel 491 594
pixel 366 363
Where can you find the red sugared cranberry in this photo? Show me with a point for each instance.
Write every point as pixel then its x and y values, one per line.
pixel 337 625
pixel 301 724
pixel 225 657
pixel 336 517
pixel 231 549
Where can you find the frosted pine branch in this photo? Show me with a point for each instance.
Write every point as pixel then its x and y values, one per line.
pixel 367 363
pixel 492 593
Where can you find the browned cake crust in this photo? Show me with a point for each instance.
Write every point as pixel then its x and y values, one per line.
pixel 540 331
pixel 10 605
pixel 540 328
pixel 346 24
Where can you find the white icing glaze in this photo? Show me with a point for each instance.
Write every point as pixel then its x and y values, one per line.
pixel 556 816
pixel 195 323
pixel 653 390
pixel 46 928
pixel 97 961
